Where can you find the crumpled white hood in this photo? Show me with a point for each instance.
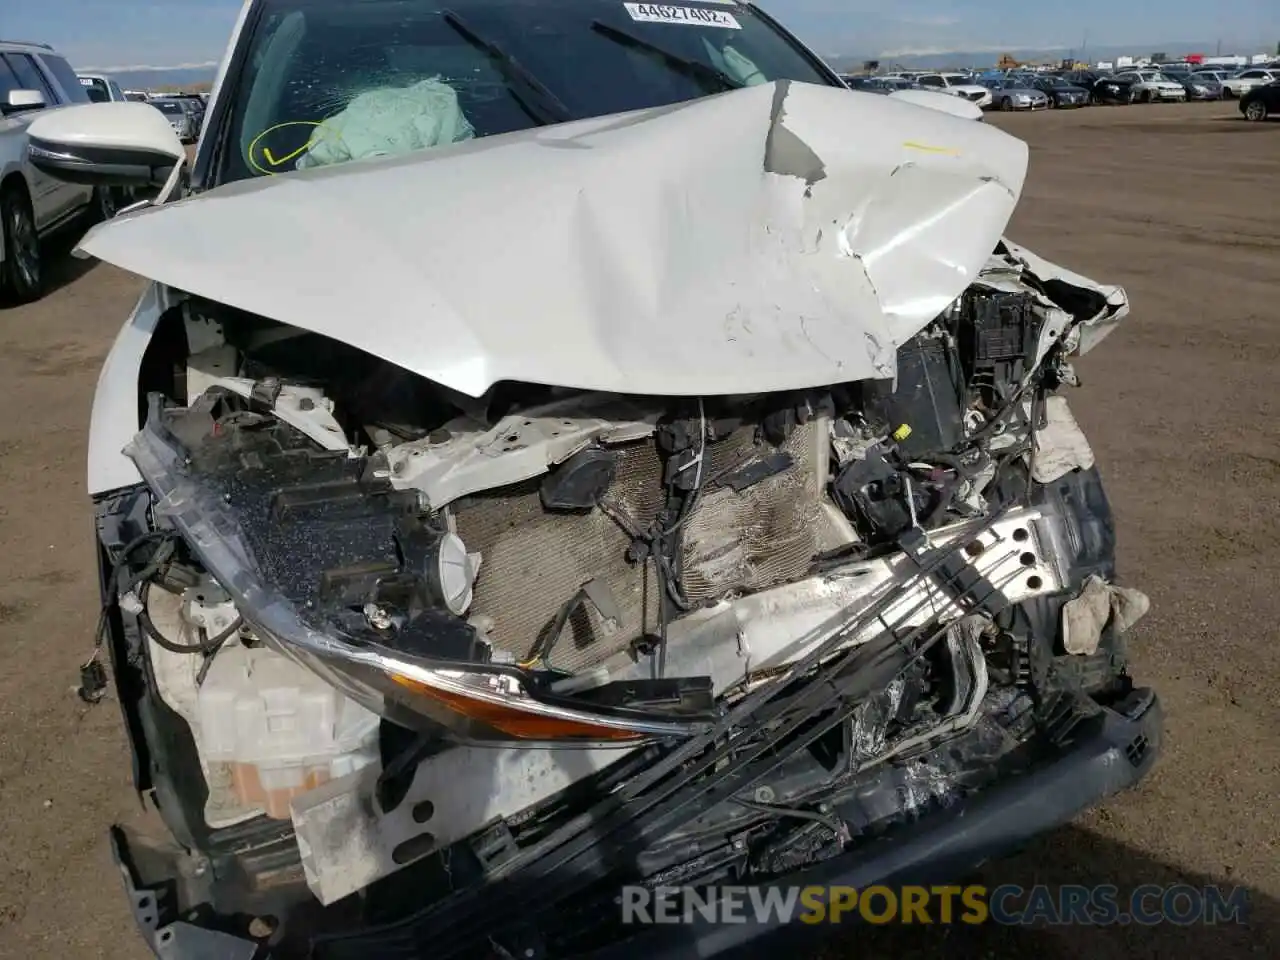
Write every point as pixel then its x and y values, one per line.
pixel 776 237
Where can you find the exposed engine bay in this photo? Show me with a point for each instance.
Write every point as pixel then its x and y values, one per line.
pixel 339 568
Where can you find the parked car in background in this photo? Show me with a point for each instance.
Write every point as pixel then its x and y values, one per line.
pixel 1200 87
pixel 1012 93
pixel 180 117
pixel 903 89
pixel 1176 70
pixel 1242 82
pixel 193 98
pixel 1233 85
pixel 1102 87
pixel 1261 102
pixel 138 96
pixel 35 79
pixel 1061 92
pixel 193 104
pixel 197 101
pixel 937 100
pixel 1150 86
pixel 882 85
pixel 956 84
pixel 101 88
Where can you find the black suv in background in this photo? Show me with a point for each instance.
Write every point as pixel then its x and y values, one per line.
pixel 1102 87
pixel 1261 103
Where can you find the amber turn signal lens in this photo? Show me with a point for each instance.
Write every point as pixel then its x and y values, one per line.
pixel 517 723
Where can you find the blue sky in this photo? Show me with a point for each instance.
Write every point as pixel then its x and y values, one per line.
pixel 167 33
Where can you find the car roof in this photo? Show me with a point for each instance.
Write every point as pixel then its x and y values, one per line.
pixel 26 46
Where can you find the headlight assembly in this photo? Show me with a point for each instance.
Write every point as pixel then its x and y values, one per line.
pixel 474 702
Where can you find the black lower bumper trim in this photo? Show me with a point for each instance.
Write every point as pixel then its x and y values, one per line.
pixel 175 940
pixel 941 848
pixel 945 846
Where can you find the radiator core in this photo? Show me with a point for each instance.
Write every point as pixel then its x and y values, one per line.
pixel 534 561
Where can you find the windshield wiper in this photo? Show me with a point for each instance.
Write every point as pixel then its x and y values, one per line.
pixel 530 92
pixel 692 68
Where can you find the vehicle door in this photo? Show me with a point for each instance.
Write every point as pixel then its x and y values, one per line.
pixel 1270 96
pixel 18 72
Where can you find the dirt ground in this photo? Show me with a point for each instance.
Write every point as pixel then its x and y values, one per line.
pixel 1177 203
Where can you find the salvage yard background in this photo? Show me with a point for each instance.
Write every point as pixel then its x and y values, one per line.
pixel 1177 203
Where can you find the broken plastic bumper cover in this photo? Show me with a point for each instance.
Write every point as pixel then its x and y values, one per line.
pixel 1115 755
pixel 942 848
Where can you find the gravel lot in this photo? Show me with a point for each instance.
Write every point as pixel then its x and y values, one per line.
pixel 1176 202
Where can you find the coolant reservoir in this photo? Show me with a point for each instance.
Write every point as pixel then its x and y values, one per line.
pixel 275 729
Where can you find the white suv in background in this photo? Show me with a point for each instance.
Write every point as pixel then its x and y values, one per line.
pixel 958 85
pixel 1148 86
pixel 33 79
pixel 1241 83
pixel 101 89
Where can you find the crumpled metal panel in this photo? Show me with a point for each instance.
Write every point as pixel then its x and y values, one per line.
pixel 535 561
pixel 777 237
pixel 765 535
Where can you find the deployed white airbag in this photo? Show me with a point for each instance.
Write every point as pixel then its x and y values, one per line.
pixel 389 121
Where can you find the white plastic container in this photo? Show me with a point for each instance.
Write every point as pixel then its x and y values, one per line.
pixel 277 729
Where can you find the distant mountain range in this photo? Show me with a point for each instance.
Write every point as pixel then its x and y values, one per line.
pixel 171 78
pixel 988 57
pixel 175 78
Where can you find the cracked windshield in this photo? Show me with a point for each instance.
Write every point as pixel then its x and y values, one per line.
pixel 332 81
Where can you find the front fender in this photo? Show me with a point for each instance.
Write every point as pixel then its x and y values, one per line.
pixel 117 414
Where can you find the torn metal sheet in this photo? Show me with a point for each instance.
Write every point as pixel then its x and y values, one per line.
pixel 467 456
pixel 775 237
pixel 736 639
pixel 1111 301
pixel 306 408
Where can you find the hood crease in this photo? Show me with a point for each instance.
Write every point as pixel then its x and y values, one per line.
pixel 653 252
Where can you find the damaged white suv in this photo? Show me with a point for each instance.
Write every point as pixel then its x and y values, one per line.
pixel 582 443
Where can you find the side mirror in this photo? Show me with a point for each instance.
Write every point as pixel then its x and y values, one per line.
pixel 19 100
pixel 105 145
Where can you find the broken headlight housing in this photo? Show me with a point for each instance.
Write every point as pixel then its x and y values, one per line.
pixel 474 701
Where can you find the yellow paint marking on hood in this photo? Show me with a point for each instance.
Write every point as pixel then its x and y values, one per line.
pixel 928 148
